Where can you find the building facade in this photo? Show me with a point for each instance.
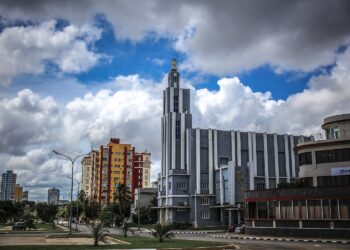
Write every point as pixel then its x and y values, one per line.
pixel 25 195
pixel 115 167
pixel 142 170
pixel 113 164
pixel 18 193
pixel 8 184
pixel 319 204
pixel 204 172
pixel 53 196
pixel 90 173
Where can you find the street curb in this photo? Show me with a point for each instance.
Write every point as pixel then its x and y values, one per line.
pixel 280 239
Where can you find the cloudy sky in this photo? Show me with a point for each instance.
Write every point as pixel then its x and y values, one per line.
pixel 74 73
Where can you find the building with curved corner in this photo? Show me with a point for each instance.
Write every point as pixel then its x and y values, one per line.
pixel 327 162
pixel 319 205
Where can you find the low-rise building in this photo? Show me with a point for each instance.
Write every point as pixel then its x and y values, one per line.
pixel 318 205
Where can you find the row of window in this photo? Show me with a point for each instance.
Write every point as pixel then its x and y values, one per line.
pixel 205 201
pixel 333 181
pixel 325 156
pixel 324 209
pixel 205 215
pixel 336 155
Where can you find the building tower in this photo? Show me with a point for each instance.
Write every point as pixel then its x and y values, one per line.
pixel 175 121
pixel 8 184
pixel 53 196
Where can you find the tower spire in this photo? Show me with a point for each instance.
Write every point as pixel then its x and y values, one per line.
pixel 173 65
pixel 173 76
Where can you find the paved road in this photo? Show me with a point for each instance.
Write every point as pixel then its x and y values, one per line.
pixel 256 245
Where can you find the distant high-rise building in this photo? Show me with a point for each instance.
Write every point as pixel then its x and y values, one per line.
pixel 8 183
pixel 53 196
pixel 25 195
pixel 18 193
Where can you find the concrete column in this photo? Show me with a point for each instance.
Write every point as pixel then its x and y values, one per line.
pixel 266 162
pixel 239 152
pixel 173 140
pixel 254 154
pixel 277 170
pixel 286 153
pixel 167 160
pixel 180 100
pixel 292 155
pixel 250 162
pixel 163 149
pixel 221 188
pixel 198 163
pixel 210 159
pixel 182 137
pixel 215 149
pixel 171 99
pixel 188 151
pixel 233 156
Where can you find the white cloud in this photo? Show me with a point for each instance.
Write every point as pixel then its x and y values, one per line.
pixel 25 50
pixel 131 109
pixel 235 106
pixel 217 37
pixel 27 120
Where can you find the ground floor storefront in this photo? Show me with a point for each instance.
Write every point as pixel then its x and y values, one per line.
pixel 305 212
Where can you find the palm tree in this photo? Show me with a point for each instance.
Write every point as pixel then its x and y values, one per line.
pixel 98 232
pixel 162 232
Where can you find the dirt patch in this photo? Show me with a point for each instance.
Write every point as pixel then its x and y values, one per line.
pixel 16 241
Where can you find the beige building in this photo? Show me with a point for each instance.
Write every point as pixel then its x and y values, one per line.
pixel 89 182
pixel 146 168
pixel 327 162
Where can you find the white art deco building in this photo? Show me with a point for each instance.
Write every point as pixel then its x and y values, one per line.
pixel 204 172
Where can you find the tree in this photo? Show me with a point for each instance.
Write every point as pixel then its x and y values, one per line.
pixel 162 232
pixel 107 217
pixel 122 197
pixel 11 211
pixel 98 232
pixel 92 210
pixel 46 212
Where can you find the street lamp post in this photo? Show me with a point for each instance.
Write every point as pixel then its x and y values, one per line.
pixel 76 224
pixel 72 160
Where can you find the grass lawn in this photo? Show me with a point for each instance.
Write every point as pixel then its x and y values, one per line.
pixel 136 242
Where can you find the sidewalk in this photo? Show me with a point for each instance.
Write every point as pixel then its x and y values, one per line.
pixel 271 238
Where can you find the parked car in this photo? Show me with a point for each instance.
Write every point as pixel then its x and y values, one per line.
pixel 19 226
pixel 231 228
pixel 240 229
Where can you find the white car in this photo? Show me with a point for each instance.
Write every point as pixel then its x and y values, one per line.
pixel 240 229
